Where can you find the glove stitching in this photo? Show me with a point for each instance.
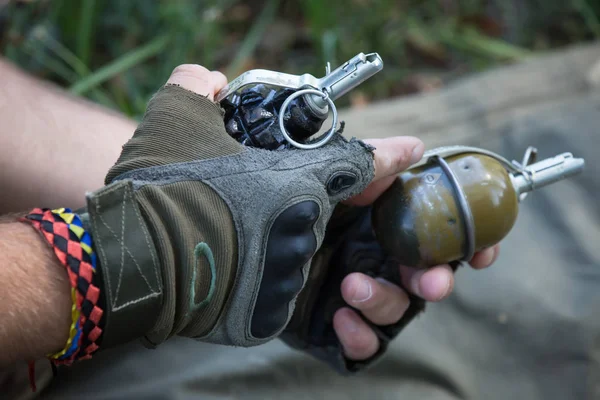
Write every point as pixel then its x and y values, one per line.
pixel 153 293
pixel 147 239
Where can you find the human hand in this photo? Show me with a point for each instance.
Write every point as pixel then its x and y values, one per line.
pixel 359 298
pixel 380 301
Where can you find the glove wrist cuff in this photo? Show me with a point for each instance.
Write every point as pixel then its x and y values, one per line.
pixel 128 261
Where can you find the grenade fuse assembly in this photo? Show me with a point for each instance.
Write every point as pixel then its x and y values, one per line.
pixel 274 111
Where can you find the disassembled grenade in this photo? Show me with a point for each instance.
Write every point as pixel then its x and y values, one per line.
pixel 459 200
pixel 273 110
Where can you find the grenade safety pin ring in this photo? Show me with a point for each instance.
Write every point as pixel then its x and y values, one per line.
pixel 464 208
pixel 326 137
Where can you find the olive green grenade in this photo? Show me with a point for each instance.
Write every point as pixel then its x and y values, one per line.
pixel 459 200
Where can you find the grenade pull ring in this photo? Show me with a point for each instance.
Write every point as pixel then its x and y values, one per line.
pixel 326 137
pixel 463 207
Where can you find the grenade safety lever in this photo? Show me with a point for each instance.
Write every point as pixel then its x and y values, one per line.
pixel 459 200
pixel 336 84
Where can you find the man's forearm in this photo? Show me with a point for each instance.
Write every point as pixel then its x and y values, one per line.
pixel 36 304
pixel 53 147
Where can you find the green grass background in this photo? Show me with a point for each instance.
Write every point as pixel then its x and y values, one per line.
pixel 118 52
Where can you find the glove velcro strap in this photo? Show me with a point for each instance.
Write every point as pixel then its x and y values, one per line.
pixel 129 263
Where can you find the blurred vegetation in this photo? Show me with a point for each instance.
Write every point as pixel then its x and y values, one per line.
pixel 118 52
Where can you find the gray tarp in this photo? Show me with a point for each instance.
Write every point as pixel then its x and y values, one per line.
pixel 527 328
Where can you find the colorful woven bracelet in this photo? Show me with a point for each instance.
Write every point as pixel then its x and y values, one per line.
pixel 73 246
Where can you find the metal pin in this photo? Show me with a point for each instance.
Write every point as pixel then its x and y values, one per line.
pixel 529 157
pixel 350 75
pixel 343 79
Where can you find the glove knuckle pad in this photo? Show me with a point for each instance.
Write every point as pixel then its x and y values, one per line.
pixel 340 181
pixel 291 244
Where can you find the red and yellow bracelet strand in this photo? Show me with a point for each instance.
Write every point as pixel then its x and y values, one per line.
pixel 73 247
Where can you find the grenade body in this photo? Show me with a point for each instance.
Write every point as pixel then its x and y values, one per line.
pixel 419 219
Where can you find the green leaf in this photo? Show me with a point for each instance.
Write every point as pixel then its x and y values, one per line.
pixel 120 65
pixel 85 40
pixel 472 41
pixel 591 19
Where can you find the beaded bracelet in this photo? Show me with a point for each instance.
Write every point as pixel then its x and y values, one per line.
pixel 72 245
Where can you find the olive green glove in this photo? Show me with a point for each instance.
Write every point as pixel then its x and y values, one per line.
pixel 202 237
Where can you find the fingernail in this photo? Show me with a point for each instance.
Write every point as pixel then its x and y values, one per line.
pixel 363 291
pixel 415 282
pixel 417 153
pixel 446 291
pixel 491 253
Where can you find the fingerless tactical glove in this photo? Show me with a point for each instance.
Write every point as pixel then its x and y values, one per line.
pixel 201 237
